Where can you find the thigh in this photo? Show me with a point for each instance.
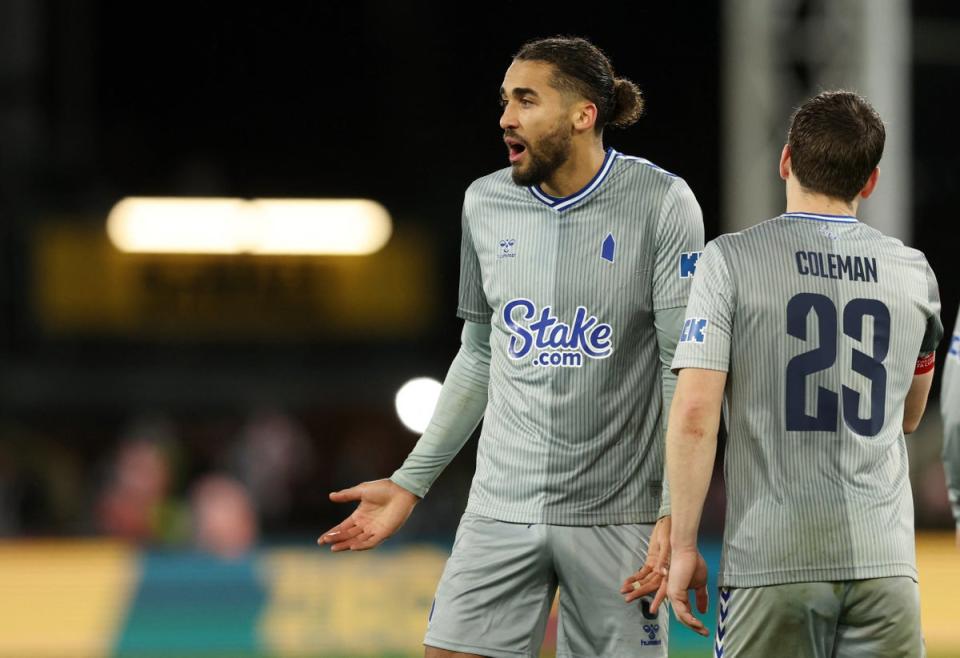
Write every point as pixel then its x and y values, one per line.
pixel 495 594
pixel 592 562
pixel 795 620
pixel 881 617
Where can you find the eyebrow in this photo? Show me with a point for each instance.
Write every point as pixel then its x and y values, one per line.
pixel 517 92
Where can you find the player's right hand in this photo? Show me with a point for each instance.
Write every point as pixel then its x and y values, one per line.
pixel 688 570
pixel 384 507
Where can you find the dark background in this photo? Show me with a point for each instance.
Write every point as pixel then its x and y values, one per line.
pixel 378 100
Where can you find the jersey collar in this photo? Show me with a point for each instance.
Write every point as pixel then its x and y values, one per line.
pixel 563 203
pixel 835 219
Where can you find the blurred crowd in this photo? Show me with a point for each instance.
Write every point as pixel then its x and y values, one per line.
pixel 222 485
pixel 226 484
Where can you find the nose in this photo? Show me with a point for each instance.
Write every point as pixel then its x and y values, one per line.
pixel 509 117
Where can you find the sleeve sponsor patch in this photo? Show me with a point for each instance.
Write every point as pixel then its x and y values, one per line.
pixel 694 330
pixel 688 263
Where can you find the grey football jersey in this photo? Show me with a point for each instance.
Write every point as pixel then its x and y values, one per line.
pixel 950 409
pixel 818 321
pixel 572 431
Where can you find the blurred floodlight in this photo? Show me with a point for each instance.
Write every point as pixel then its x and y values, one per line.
pixel 416 401
pixel 344 227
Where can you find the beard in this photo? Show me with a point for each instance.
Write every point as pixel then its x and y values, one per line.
pixel 544 158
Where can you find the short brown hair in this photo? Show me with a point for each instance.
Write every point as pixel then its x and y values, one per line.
pixel 836 140
pixel 582 68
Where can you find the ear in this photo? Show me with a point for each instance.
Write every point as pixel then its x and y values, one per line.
pixel 785 165
pixel 871 183
pixel 584 116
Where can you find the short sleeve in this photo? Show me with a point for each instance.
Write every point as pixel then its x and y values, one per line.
pixel 679 243
pixel 705 337
pixel 472 304
pixel 934 330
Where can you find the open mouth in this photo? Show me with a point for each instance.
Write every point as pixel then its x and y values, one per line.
pixel 516 148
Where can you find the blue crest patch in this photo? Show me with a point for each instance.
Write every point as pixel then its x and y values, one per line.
pixel 606 249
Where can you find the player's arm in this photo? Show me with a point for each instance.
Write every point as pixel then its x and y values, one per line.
pixel 702 360
pixel 386 504
pixel 916 402
pixel 691 449
pixel 650 577
pixel 679 241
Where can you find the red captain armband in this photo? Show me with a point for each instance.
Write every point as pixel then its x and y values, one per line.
pixel 925 363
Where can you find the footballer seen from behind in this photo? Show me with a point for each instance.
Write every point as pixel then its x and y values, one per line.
pixel 818 333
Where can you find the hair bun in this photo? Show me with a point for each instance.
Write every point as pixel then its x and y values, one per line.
pixel 627 103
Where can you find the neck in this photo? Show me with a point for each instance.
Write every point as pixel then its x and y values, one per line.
pixel 573 175
pixel 800 200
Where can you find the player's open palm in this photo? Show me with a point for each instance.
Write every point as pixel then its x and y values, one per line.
pixel 384 507
pixel 688 570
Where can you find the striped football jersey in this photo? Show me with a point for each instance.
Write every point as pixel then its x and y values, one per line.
pixel 818 321
pixel 572 431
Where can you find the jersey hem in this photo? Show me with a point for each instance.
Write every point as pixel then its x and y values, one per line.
pixel 765 579
pixel 645 516
pixel 673 302
pixel 707 364
pixel 472 648
pixel 474 316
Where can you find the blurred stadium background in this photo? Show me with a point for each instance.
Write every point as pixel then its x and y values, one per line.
pixel 171 424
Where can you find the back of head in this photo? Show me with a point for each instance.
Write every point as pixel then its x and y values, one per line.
pixel 836 140
pixel 583 69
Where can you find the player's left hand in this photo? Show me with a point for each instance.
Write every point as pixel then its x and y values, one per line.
pixel 652 576
pixel 688 570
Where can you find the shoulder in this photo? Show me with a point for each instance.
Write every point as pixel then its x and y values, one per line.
pixel 495 181
pixel 666 189
pixel 498 184
pixel 645 172
pixel 637 166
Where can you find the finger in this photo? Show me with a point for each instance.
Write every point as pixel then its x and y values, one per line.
pixel 628 584
pixel 703 599
pixel 371 541
pixel 346 495
pixel 346 542
pixel 643 587
pixel 658 598
pixel 342 533
pixel 681 609
pixel 361 542
pixel 333 533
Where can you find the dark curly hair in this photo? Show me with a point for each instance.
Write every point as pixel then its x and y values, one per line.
pixel 582 68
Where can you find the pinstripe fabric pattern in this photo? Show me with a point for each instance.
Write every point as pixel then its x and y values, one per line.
pixel 831 502
pixel 577 441
pixel 950 410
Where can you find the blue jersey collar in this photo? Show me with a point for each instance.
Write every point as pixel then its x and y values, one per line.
pixel 563 203
pixel 819 217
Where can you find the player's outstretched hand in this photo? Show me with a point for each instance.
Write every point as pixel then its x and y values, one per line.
pixel 688 570
pixel 384 507
pixel 652 576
